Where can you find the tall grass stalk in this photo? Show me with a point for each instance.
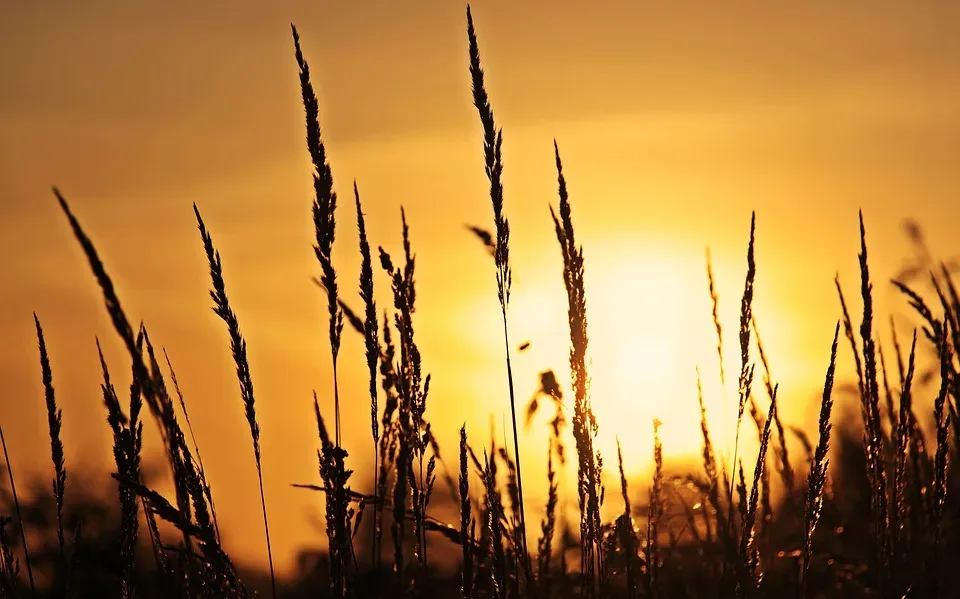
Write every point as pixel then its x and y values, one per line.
pixel 624 527
pixel 584 422
pixel 494 509
pixel 901 510
pixel 746 316
pixel 749 577
pixel 238 346
pixel 335 478
pixel 715 313
pixel 817 479
pixel 942 423
pixel 745 382
pixel 324 208
pixel 16 505
pixel 54 424
pixel 654 516
pixel 548 527
pixel 413 390
pixel 851 337
pixel 127 444
pixel 179 455
pixel 493 163
pixel 870 402
pixel 146 387
pixel 371 338
pixel 466 519
pixel 117 317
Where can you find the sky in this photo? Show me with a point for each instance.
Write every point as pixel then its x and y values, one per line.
pixel 673 121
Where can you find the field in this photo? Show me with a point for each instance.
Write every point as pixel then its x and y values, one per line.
pixel 864 510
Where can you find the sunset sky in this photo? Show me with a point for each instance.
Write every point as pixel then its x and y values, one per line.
pixel 674 121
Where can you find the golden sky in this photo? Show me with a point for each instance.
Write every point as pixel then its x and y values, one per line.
pixel 674 121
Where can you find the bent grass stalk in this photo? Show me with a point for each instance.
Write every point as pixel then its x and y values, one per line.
pixel 238 346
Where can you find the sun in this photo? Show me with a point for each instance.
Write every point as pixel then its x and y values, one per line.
pixel 650 330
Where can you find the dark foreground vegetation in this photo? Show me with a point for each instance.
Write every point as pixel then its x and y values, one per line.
pixel 866 511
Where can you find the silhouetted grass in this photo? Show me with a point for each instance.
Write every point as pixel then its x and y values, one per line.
pixel 16 504
pixel 54 423
pixel 238 346
pixel 493 163
pixel 843 529
pixel 817 479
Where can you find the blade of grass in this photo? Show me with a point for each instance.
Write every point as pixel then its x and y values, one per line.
pixel 54 423
pixel 16 505
pixel 238 347
pixel 817 479
pixel 492 142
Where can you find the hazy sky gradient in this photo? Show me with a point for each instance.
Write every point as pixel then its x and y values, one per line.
pixel 674 122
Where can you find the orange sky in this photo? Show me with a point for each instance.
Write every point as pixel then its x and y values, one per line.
pixel 674 122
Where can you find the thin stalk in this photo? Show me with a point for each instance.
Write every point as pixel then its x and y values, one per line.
pixel 746 370
pixel 16 505
pixel 516 442
pixel 817 479
pixel 54 421
pixel 238 347
pixel 374 554
pixel 493 139
pixel 266 531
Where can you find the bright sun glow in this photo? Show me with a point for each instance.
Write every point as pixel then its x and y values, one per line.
pixel 648 333
pixel 650 328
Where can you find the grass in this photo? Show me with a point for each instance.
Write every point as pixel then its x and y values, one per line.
pixel 493 163
pixel 16 504
pixel 872 517
pixel 238 346
pixel 817 479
